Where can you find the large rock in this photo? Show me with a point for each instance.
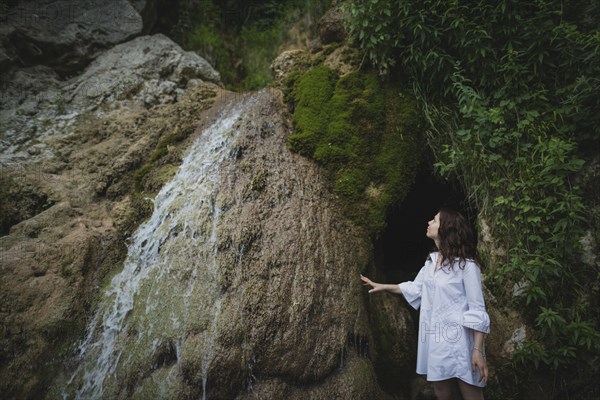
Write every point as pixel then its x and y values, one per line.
pixel 66 35
pixel 149 70
pixel 332 26
pixel 38 105
pixel 75 208
pixel 286 62
pixel 253 289
pixel 68 153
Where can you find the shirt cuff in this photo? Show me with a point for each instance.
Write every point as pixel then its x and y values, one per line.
pixel 477 320
pixel 411 294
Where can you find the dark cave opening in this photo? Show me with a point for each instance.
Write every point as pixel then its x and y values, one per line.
pixel 401 251
pixel 402 248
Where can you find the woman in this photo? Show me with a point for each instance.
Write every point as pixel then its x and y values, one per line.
pixel 453 320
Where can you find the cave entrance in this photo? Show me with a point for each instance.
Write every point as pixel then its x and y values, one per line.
pixel 402 248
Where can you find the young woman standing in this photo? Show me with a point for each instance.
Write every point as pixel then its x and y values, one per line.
pixel 453 319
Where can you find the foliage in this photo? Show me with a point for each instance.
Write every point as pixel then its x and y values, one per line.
pixel 511 93
pixel 240 38
pixel 365 135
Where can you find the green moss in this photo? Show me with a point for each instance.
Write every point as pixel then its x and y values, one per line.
pixel 163 162
pixel 158 385
pixel 351 183
pixel 158 176
pixel 140 174
pixel 176 136
pixel 365 133
pixel 140 209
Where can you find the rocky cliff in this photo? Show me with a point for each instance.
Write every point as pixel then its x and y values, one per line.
pixel 249 273
pixel 243 280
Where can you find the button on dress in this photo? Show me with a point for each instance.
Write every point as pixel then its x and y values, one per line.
pixel 452 306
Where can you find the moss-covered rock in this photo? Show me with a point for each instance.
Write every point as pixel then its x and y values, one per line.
pixel 366 133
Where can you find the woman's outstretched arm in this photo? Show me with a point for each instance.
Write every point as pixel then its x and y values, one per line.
pixel 380 287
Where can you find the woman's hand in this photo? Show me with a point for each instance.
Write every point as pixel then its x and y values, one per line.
pixel 379 287
pixel 478 363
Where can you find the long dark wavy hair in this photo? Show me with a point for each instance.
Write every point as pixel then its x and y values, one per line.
pixel 456 239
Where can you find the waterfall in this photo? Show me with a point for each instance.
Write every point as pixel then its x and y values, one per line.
pixel 156 298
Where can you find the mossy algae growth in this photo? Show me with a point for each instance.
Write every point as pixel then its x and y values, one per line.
pixel 365 133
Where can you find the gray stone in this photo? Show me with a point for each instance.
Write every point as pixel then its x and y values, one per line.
pixel 284 63
pixel 5 61
pixel 64 34
pixel 159 92
pixel 516 341
pixel 148 10
pixel 132 71
pixel 192 66
pixel 144 72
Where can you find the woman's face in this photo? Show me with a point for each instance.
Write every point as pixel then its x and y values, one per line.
pixel 433 226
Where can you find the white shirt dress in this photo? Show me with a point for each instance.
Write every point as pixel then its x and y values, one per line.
pixel 452 306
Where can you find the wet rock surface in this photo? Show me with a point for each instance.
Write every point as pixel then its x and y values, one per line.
pixel 276 307
pixel 292 303
pixel 67 196
pixel 75 211
pixel 82 158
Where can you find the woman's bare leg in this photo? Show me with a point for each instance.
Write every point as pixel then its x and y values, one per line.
pixel 470 392
pixel 443 389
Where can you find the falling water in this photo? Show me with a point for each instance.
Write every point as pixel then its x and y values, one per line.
pixel 156 298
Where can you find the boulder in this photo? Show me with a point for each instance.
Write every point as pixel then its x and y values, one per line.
pixel 66 35
pixel 332 26
pixel 144 72
pixel 254 289
pixel 286 62
pixel 148 70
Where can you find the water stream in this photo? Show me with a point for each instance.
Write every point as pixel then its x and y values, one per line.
pixel 168 285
